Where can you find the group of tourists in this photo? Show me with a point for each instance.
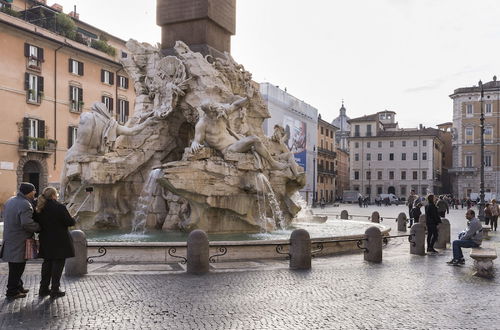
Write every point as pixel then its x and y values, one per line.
pixel 24 216
pixel 436 208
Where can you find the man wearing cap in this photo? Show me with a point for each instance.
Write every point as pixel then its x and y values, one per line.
pixel 18 226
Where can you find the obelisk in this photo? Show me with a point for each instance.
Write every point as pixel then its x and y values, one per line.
pixel 206 26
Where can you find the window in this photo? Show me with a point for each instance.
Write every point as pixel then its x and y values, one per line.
pixel 469 135
pixel 34 56
pixel 403 175
pixel 368 175
pixel 391 156
pixel 356 175
pixel 380 144
pixel 368 156
pixel 107 77
pixel 122 113
pixel 424 143
pixel 415 156
pixel 331 132
pixel 124 54
pixel 326 130
pixel 391 175
pixel 321 130
pixel 468 161
pixel 487 160
pixel 72 131
pixel 415 175
pixel 33 85
pixel 321 144
pixel 356 130
pixel 109 102
pixel 469 110
pixel 33 129
pixel 403 190
pixel 379 190
pixel 75 67
pixel 379 175
pixel 424 175
pixel 424 190
pixel 424 156
pixel 489 109
pixel 379 156
pixel 391 144
pixel 356 157
pixel 403 156
pixel 403 143
pixel 369 130
pixel 415 143
pixel 488 134
pixel 368 144
pixel 356 145
pixel 76 98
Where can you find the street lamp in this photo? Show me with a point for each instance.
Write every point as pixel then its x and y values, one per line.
pixel 314 177
pixel 481 127
pixel 369 182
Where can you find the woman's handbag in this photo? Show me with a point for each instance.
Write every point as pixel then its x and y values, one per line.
pixel 31 248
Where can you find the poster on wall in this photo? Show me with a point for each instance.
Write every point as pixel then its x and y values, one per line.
pixel 296 133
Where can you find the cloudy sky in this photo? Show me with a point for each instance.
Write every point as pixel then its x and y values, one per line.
pixel 402 55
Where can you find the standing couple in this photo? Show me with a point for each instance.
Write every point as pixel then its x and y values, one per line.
pixel 23 216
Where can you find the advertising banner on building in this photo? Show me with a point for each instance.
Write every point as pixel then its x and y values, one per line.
pixel 296 132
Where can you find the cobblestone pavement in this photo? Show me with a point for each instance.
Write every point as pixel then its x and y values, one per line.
pixel 340 292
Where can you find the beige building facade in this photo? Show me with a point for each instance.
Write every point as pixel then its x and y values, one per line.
pixel 388 159
pixel 326 162
pixel 467 139
pixel 46 81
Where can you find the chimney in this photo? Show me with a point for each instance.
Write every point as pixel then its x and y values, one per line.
pixel 57 7
pixel 74 15
pixel 420 126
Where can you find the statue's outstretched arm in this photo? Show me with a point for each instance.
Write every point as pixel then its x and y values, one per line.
pixel 123 130
pixel 237 104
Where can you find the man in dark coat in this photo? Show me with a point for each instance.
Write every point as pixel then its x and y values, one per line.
pixel 432 221
pixel 18 226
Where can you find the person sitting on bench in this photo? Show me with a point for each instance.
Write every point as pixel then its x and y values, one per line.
pixel 472 237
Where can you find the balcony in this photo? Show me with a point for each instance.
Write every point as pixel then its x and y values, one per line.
pixel 327 152
pixel 34 144
pixel 322 170
pixel 462 170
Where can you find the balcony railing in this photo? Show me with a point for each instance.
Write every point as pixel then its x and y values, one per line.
pixel 327 152
pixel 322 170
pixel 34 144
pixel 462 170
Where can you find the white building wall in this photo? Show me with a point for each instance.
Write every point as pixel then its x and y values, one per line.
pixel 281 105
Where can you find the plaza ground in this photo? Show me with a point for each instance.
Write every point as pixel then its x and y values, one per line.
pixel 339 292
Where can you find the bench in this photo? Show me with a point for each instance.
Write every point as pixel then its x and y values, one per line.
pixel 483 261
pixel 486 230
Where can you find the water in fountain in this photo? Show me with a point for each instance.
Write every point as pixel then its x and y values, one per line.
pixel 265 193
pixel 144 202
pixel 306 214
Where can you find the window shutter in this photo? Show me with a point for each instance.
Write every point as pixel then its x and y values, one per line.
pixel 26 50
pixel 126 111
pixel 40 84
pixel 70 136
pixel 26 132
pixel 80 95
pixel 80 68
pixel 102 75
pixel 126 83
pixel 40 54
pixel 26 81
pixel 102 99
pixel 71 98
pixel 111 105
pixel 41 129
pixel 111 78
pixel 70 65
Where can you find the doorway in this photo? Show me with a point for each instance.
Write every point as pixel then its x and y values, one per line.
pixel 31 173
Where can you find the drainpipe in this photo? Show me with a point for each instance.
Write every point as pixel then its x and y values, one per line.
pixel 55 103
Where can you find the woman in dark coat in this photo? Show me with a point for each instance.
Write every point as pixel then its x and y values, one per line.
pixel 56 243
pixel 432 220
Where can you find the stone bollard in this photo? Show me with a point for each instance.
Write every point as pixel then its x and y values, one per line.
pixel 344 215
pixel 402 220
pixel 373 244
pixel 197 252
pixel 423 220
pixel 418 232
pixel 443 234
pixel 77 266
pixel 300 249
pixel 376 217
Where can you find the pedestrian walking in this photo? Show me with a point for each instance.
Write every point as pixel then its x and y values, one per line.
pixel 442 207
pixel 495 212
pixel 415 213
pixel 432 220
pixel 56 243
pixel 411 202
pixel 18 226
pixel 487 214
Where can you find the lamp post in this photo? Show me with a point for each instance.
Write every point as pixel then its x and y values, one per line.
pixel 314 177
pixel 369 183
pixel 481 127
